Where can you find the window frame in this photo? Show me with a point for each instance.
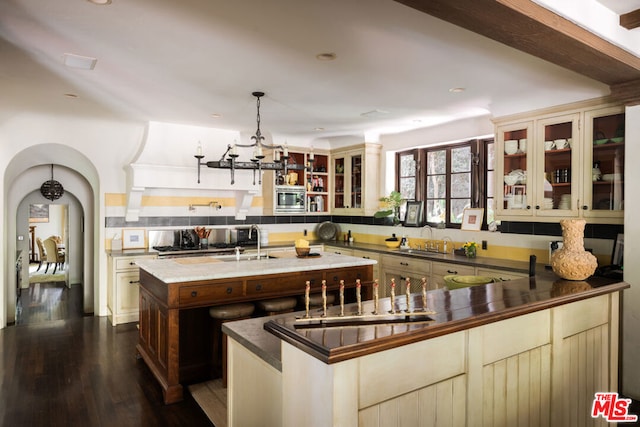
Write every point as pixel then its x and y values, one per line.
pixel 478 175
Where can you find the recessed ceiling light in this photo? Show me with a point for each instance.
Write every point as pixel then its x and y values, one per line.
pixel 456 89
pixel 70 95
pixel 327 56
pixel 78 61
pixel 100 2
pixel 216 115
pixel 318 129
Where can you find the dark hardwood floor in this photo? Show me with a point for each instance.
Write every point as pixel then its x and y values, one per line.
pixel 58 368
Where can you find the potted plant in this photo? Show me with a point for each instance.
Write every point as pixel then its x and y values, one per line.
pixel 393 202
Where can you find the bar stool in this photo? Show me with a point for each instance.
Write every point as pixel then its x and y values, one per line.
pixel 277 305
pixel 221 314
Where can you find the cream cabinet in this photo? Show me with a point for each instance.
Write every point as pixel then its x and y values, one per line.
pixel 370 255
pixel 122 288
pixel 400 267
pixel 546 163
pixel 355 180
pixel 441 269
pixel 603 175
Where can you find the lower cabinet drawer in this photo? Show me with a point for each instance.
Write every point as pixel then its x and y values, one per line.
pixel 443 269
pixel 210 294
pixel 277 285
pixel 333 277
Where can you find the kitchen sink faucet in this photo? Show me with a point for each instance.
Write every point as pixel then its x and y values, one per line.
pixel 257 229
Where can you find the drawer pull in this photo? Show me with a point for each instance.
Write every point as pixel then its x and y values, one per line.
pixel 131 282
pixel 365 257
pixel 194 294
pixel 132 263
pixel 452 272
pixel 229 290
pixel 335 278
pixel 338 253
pixel 406 264
pixel 259 287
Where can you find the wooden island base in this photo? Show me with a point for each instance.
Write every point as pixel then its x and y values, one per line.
pixel 175 338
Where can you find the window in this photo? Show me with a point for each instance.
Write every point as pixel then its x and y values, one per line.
pixel 448 178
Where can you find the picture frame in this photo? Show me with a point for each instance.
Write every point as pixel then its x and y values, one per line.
pixel 472 219
pixel 413 214
pixel 133 238
pixel 39 213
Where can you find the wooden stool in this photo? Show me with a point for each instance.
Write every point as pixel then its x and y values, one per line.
pixel 315 300
pixel 221 314
pixel 277 305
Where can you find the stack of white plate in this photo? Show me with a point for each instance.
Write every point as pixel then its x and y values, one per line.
pixel 547 203
pixel 612 177
pixel 565 202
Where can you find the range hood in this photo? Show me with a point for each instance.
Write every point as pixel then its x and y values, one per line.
pixel 166 161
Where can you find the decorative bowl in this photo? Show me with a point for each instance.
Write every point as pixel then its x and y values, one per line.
pixel 511 146
pixel 302 252
pixel 457 282
pixel 601 141
pixel 392 244
pixel 617 139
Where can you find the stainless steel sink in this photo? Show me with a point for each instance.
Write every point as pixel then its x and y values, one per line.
pixel 422 252
pixel 243 257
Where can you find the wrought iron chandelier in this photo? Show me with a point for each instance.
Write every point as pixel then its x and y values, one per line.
pixel 228 160
pixel 52 189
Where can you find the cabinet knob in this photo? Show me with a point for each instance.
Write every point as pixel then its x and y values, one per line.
pixel 585 207
pixel 335 278
pixel 229 290
pixel 452 272
pixel 132 263
pixel 259 287
pixel 194 294
pixel 537 207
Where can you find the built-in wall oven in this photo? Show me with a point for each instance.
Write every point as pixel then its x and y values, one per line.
pixel 290 199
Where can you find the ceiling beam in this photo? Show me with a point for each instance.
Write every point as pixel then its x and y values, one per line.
pixel 529 27
pixel 630 20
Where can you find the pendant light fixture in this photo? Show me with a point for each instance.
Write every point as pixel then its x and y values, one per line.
pixel 52 189
pixel 229 157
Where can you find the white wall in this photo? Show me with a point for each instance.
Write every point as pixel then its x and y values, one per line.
pixel 631 297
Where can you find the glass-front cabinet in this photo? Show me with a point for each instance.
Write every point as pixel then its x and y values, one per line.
pixel 348 181
pixel 561 165
pixel 355 191
pixel 558 166
pixel 514 164
pixel 604 153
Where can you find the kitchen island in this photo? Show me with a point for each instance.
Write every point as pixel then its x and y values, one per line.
pixel 175 338
pixel 523 352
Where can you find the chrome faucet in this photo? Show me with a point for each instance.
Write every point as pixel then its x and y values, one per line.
pixel 257 229
pixel 427 244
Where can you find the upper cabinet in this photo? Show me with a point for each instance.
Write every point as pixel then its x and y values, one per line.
pixel 561 165
pixel 303 189
pixel 355 180
pixel 604 163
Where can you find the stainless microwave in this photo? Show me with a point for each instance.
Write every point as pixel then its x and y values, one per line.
pixel 290 199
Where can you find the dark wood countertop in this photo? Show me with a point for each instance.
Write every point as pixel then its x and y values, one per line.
pixel 456 310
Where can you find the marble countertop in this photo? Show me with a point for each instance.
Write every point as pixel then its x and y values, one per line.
pixel 176 270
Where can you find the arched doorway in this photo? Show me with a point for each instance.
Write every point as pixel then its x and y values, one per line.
pixel 62 218
pixel 24 175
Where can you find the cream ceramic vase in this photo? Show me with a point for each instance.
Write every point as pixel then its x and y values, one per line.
pixel 572 262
